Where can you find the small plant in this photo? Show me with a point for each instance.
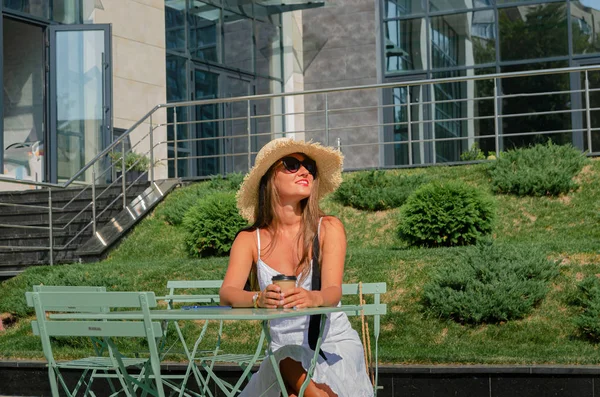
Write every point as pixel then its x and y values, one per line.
pixel 212 225
pixel 446 214
pixel 178 203
pixel 587 299
pixel 541 170
pixel 377 190
pixel 474 153
pixel 489 283
pixel 133 161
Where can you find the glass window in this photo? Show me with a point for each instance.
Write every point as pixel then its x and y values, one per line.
pixel 444 5
pixel 65 11
pixel 175 25
pixel 400 8
pixel 237 41
pixel 584 22
pixel 268 49
pixel 529 32
pixel 523 109
pixel 405 48
pixel 204 31
pixel 38 8
pixel 455 43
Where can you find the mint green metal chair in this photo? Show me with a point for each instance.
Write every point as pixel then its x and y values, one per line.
pixel 375 310
pixel 148 382
pixel 206 359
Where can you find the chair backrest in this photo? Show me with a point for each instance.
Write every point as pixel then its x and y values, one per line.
pixel 87 302
pixel 71 288
pixel 175 295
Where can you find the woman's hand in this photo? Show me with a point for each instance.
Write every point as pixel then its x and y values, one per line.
pixel 300 298
pixel 270 297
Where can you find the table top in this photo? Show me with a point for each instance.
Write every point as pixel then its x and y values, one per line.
pixel 208 313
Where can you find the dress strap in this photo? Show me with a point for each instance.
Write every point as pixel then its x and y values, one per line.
pixel 258 241
pixel 319 228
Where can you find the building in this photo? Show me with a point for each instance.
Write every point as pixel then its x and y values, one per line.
pixel 76 73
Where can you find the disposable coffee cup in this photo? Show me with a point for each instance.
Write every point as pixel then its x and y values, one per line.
pixel 284 282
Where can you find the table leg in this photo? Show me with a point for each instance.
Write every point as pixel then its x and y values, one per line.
pixel 274 363
pixel 313 362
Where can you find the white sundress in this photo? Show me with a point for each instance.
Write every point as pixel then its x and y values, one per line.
pixel 344 371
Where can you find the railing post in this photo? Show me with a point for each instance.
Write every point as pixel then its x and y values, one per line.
pixel 326 120
pixel 496 120
pixel 409 121
pixel 249 130
pixel 50 226
pixel 123 174
pixel 175 144
pixel 94 200
pixel 587 112
pixel 432 108
pixel 151 152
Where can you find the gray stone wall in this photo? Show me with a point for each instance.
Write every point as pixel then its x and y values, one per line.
pixel 340 50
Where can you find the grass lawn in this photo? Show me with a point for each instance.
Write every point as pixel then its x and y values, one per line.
pixel 567 228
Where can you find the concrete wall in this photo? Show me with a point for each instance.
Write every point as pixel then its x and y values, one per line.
pixel 339 49
pixel 139 74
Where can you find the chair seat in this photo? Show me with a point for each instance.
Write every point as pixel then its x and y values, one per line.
pixel 99 363
pixel 232 358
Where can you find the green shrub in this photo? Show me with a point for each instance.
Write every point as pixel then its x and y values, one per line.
pixel 587 298
pixel 181 200
pixel 446 214
pixel 474 153
pixel 489 283
pixel 377 190
pixel 212 224
pixel 537 171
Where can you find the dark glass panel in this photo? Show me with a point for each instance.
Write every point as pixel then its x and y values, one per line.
pixel 177 91
pixel 38 8
pixel 521 110
pixel 400 8
pixel 204 31
pixel 455 43
pixel 65 11
pixel 206 86
pixel 237 41
pixel 529 32
pixel 175 25
pixel 584 22
pixel 405 45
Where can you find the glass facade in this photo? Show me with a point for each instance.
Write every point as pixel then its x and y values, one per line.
pixel 441 39
pixel 217 49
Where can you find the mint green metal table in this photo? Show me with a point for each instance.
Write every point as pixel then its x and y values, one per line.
pixel 230 314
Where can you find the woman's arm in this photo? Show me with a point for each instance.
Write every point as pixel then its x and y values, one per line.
pixel 232 291
pixel 333 254
pixel 240 263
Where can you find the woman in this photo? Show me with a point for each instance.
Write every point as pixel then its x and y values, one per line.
pixel 291 236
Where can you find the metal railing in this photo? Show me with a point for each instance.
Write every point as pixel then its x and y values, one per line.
pixel 403 124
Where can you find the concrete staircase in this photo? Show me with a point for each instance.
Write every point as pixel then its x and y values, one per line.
pixel 25 234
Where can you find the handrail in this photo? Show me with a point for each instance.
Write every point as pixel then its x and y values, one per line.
pixel 298 93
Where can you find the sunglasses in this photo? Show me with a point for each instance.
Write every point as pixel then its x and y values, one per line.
pixel 292 165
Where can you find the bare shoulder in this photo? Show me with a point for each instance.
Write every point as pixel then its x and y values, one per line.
pixel 332 226
pixel 245 239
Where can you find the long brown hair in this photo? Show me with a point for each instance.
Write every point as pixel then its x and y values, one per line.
pixel 266 218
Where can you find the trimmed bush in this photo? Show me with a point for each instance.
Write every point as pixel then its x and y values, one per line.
pixel 181 200
pixel 541 170
pixel 489 283
pixel 377 190
pixel 587 298
pixel 212 224
pixel 446 214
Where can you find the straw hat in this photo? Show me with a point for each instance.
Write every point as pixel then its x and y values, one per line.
pixel 329 170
